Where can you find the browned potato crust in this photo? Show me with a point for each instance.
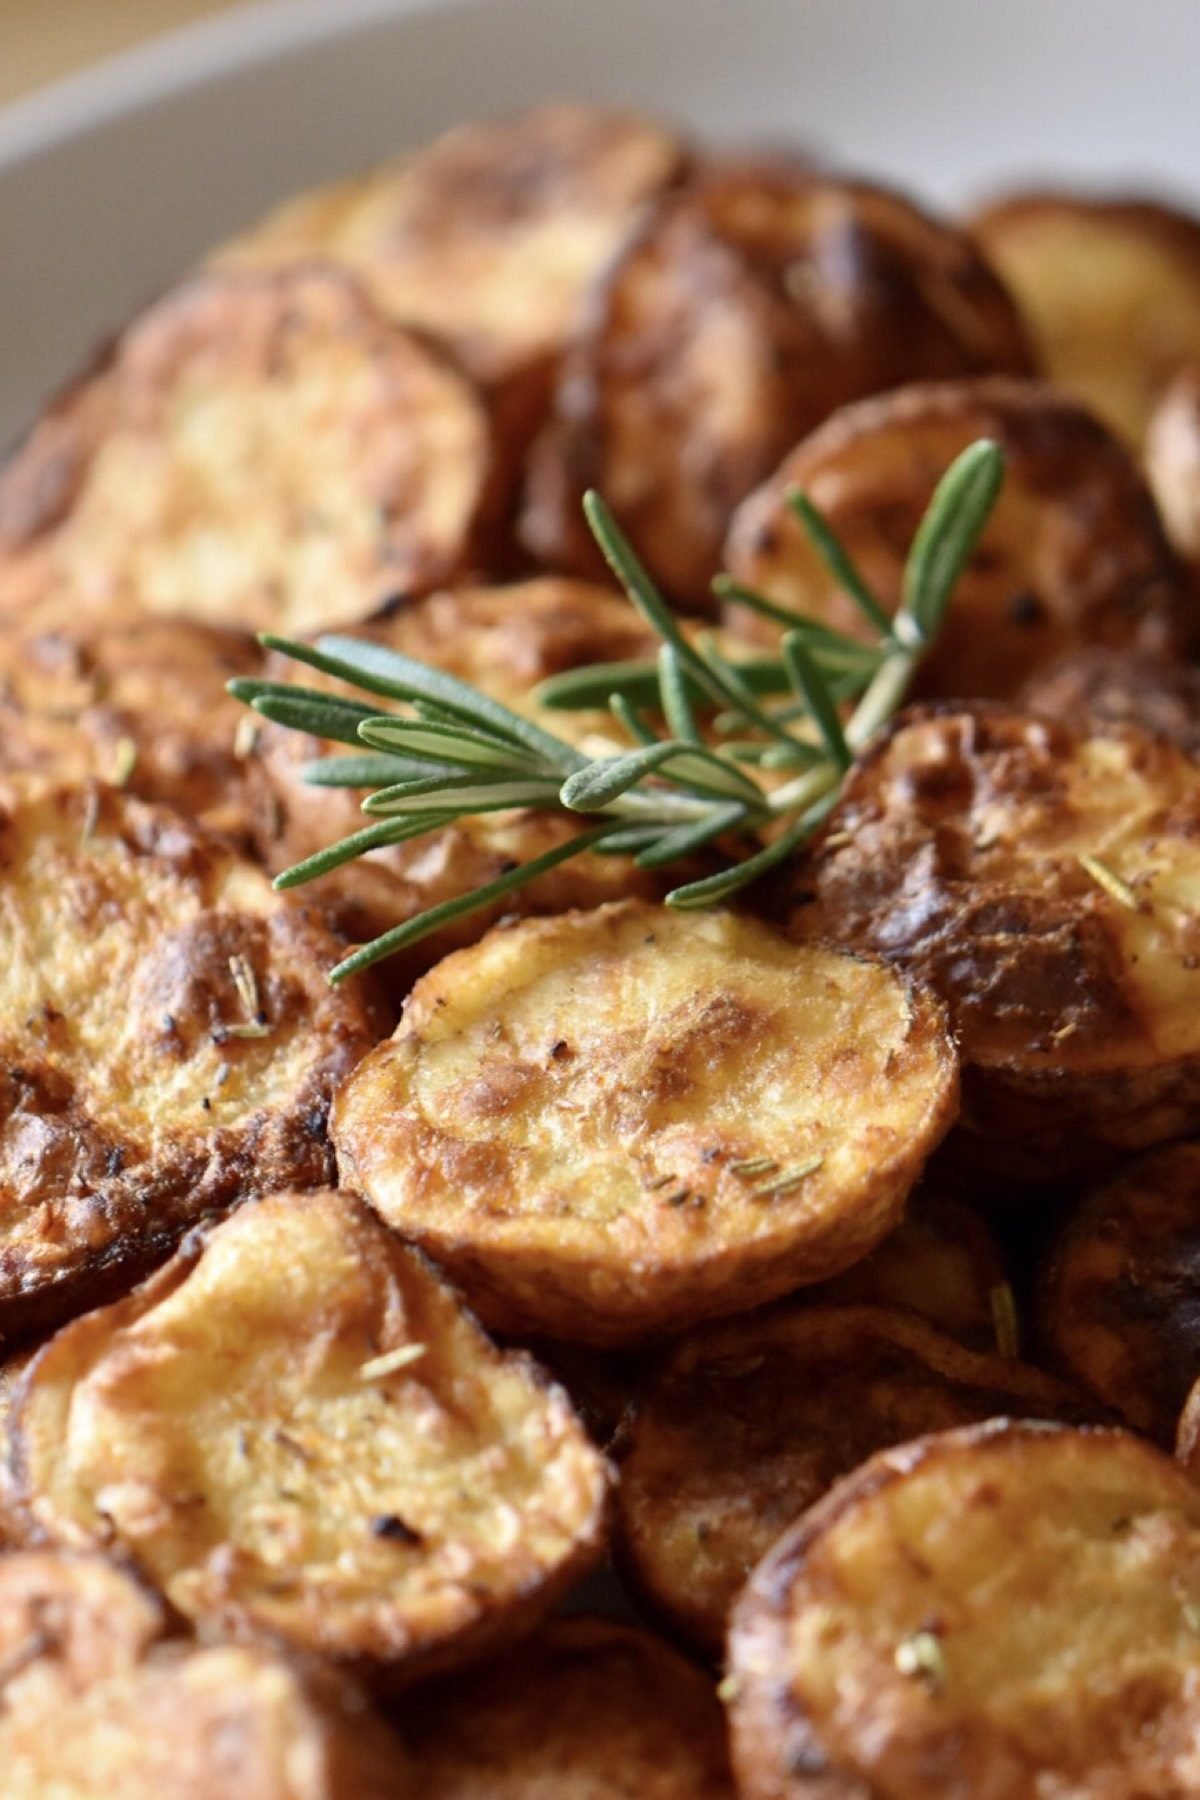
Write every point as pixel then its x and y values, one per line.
pixel 749 1423
pixel 1173 461
pixel 295 1429
pixel 258 450
pixel 745 310
pixel 168 1042
pixel 1073 554
pixel 136 702
pixel 504 640
pixel 1008 1610
pixel 1110 289
pixel 1096 688
pixel 616 1123
pixel 95 1705
pixel 1046 885
pixel 589 1710
pixel 1119 1299
pixel 943 1262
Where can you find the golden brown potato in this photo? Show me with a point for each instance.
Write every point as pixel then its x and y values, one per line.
pixel 1119 1299
pixel 750 1422
pixel 1096 688
pixel 1047 886
pixel 943 1262
pixel 1008 1610
pixel 615 1123
pixel 169 1042
pixel 589 1710
pixel 139 703
pixel 258 450
pixel 96 1705
pixel 1173 461
pixel 745 310
pixel 504 640
pixel 295 1429
pixel 1110 290
pixel 1073 554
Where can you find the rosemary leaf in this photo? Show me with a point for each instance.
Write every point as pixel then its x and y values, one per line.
pixel 368 771
pixel 627 715
pixel 947 536
pixel 806 679
pixel 347 849
pixel 676 702
pixel 839 563
pixel 430 794
pixel 684 840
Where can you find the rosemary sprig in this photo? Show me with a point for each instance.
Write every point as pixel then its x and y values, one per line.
pixel 455 752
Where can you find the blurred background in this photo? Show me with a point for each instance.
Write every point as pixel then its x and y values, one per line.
pixel 43 39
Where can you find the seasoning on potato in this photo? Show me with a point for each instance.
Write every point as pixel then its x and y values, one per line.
pixel 1045 884
pixel 748 1423
pixel 1119 1300
pixel 295 1429
pixel 170 1042
pixel 744 311
pixel 258 450
pixel 1073 554
pixel 1009 1609
pixel 588 1710
pixel 99 1700
pixel 615 1123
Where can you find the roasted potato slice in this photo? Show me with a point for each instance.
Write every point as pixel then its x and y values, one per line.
pixel 294 1428
pixel 1047 886
pixel 742 313
pixel 1119 1295
pixel 1173 462
pixel 1073 554
pixel 589 1710
pixel 1110 290
pixel 1008 1610
pixel 96 1705
pixel 748 1423
pixel 136 702
pixel 168 1042
pixel 615 1123
pixel 258 450
pixel 1096 688
pixel 942 1262
pixel 504 640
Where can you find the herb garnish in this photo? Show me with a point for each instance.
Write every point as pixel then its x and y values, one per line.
pixel 457 753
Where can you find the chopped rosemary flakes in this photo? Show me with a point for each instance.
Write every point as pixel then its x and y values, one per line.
pixel 788 1179
pixel 728 1689
pixel 921 1656
pixel 91 817
pixel 124 763
pixel 1113 885
pixel 391 1360
pixel 1064 1031
pixel 254 1025
pixel 245 738
pixel 757 1165
pixel 660 1181
pixel 1191 1616
pixel 1005 1322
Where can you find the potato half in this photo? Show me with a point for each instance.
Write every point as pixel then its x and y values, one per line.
pixel 1008 1610
pixel 295 1429
pixel 1110 289
pixel 257 450
pixel 589 1710
pixel 95 1704
pixel 1047 886
pixel 137 702
pixel 742 313
pixel 1097 688
pixel 169 1042
pixel 1073 554
pixel 1119 1295
pixel 748 1423
pixel 614 1123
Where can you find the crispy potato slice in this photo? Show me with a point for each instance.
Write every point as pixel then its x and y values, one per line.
pixel 95 1705
pixel 1173 461
pixel 168 1042
pixel 750 1422
pixel 1096 688
pixel 1047 886
pixel 943 1262
pixel 589 1710
pixel 504 640
pixel 742 313
pixel 1073 554
pixel 1110 289
pixel 1006 1610
pixel 294 1428
pixel 258 450
pixel 136 702
pixel 1117 1302
pixel 615 1123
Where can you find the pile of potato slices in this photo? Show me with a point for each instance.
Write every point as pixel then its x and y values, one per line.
pixel 606 1350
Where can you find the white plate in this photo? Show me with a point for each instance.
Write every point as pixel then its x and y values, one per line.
pixel 112 181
